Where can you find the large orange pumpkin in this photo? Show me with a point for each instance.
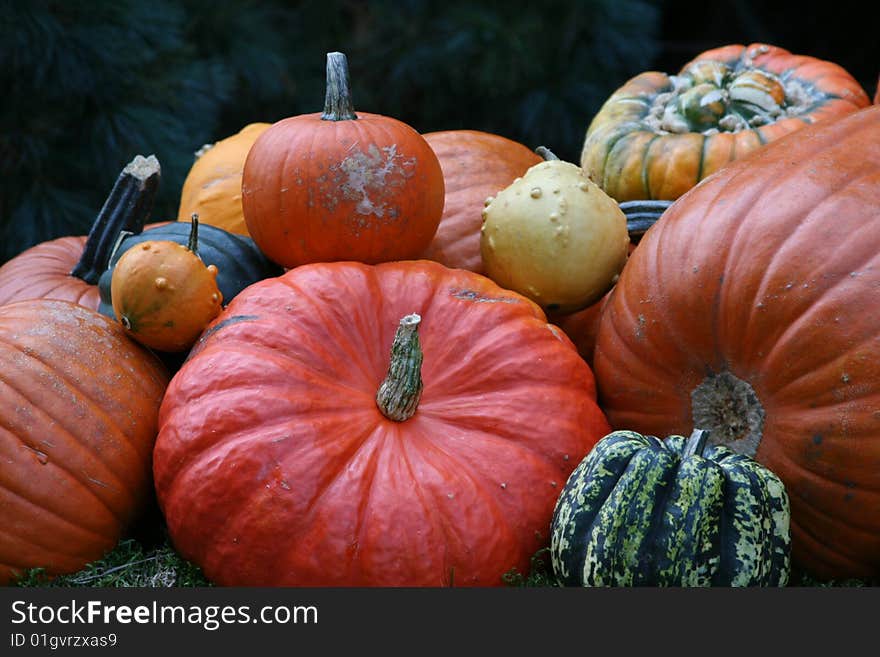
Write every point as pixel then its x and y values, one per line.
pixel 658 135
pixel 748 309
pixel 212 188
pixel 476 165
pixel 79 403
pixel 294 451
pixel 341 186
pixel 68 268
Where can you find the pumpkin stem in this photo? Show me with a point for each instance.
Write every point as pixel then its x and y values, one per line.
pixel 546 153
pixel 400 392
pixel 696 443
pixel 126 208
pixel 193 242
pixel 337 101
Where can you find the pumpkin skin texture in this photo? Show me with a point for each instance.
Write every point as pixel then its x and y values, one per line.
pixel 743 311
pixel 658 135
pixel 238 260
pixel 164 294
pixel 79 404
pixel 43 272
pixel 640 511
pixel 69 268
pixel 309 483
pixel 212 188
pixel 554 237
pixel 341 186
pixel 476 165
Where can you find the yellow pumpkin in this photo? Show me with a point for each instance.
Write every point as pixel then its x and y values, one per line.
pixel 555 237
pixel 212 188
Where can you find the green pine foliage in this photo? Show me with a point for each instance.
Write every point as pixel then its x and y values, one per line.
pixel 90 85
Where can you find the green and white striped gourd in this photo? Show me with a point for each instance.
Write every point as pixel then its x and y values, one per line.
pixel 640 511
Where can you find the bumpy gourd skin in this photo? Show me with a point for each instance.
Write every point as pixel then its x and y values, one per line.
pixel 639 511
pixel 164 295
pixel 554 237
pixel 658 135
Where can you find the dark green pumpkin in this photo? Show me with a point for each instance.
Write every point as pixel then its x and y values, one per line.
pixel 238 259
pixel 640 511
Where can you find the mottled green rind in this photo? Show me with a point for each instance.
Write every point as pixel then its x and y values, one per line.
pixel 634 513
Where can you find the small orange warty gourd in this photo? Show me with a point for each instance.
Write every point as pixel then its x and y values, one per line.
pixel 163 294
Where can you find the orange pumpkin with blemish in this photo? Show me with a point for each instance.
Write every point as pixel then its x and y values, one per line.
pixel 341 185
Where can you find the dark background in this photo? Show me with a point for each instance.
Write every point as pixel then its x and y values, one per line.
pixel 88 85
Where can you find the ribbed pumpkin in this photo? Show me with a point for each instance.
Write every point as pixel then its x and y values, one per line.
pixel 212 188
pixel 294 450
pixel 640 511
pixel 341 186
pixel 476 165
pixel 69 268
pixel 79 404
pixel 747 310
pixel 658 134
pixel 238 261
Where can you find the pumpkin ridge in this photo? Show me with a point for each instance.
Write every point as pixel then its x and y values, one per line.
pixel 821 549
pixel 340 339
pixel 511 439
pixel 467 470
pixel 359 444
pixel 95 405
pixel 708 491
pixel 428 499
pixel 651 518
pixel 56 518
pixel 378 450
pixel 780 252
pixel 75 445
pixel 842 484
pixel 742 231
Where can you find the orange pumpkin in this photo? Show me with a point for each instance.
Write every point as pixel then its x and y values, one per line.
pixel 476 165
pixel 212 188
pixel 659 135
pixel 163 294
pixel 294 449
pixel 79 404
pixel 341 186
pixel 748 310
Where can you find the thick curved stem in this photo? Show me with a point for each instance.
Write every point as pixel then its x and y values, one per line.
pixel 400 392
pixel 337 101
pixel 126 208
